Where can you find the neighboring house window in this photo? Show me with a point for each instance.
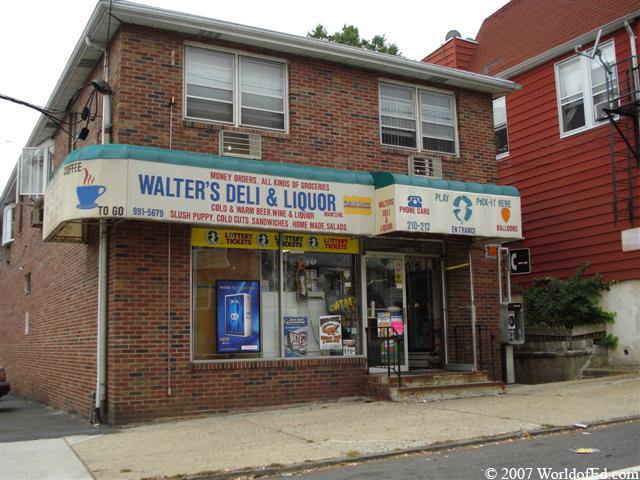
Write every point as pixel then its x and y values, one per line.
pixel 500 127
pixel 582 89
pixel 235 89
pixel 8 223
pixel 436 128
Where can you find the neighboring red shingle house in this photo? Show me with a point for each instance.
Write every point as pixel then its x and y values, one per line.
pixel 578 179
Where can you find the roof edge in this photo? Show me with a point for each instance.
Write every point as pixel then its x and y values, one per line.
pixel 566 47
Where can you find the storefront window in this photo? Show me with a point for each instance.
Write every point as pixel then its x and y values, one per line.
pixel 320 291
pixel 237 295
pixel 235 303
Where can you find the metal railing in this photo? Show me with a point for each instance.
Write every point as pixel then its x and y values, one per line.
pixel 460 350
pixel 385 349
pixel 623 82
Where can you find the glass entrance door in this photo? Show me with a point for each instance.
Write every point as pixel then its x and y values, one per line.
pixel 385 293
pixel 424 312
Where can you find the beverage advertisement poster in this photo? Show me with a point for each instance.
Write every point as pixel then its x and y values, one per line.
pixel 384 322
pixel 330 332
pixel 296 334
pixel 238 309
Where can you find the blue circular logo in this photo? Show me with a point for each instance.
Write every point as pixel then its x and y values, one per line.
pixel 462 209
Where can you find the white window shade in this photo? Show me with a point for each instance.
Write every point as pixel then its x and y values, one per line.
pixel 262 92
pixel 438 127
pixel 397 115
pixel 499 112
pixel 32 171
pixel 209 79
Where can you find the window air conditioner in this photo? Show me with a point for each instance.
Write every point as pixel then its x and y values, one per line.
pixel 425 167
pixel 245 145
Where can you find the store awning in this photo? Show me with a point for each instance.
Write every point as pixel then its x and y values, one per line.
pixel 145 183
pixel 416 204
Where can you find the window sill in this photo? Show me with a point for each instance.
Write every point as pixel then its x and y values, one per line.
pixel 502 156
pixel 250 364
pixel 584 129
pixel 216 127
pixel 414 151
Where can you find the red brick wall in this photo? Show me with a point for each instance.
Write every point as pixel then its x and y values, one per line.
pixel 141 334
pixel 485 289
pixel 333 122
pixel 55 362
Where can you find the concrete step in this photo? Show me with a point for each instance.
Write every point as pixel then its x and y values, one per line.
pixel 606 371
pixel 442 392
pixel 430 379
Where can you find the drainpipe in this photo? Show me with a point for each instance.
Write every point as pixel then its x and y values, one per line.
pixel 634 56
pixel 101 374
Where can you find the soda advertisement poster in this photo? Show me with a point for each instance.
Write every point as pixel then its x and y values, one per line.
pixel 330 332
pixel 238 309
pixel 296 335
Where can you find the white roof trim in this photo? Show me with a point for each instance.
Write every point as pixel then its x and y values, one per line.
pixel 566 47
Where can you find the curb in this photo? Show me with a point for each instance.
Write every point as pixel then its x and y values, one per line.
pixel 301 467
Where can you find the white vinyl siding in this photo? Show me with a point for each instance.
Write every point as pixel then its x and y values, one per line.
pixel 401 105
pixel 232 88
pixel 582 90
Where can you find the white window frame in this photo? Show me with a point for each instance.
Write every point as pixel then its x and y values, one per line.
pixel 8 214
pixel 48 153
pixel 498 126
pixel 587 91
pixel 236 94
pixel 418 117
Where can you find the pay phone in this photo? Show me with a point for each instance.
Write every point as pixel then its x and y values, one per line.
pixel 511 324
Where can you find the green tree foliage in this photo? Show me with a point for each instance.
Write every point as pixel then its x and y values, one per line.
pixel 351 36
pixel 551 302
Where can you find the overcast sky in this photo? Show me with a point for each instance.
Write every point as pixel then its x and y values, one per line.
pixel 38 36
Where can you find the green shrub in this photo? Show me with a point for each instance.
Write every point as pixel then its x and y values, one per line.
pixel 608 340
pixel 551 302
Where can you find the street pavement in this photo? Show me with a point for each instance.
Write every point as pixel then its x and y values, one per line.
pixel 612 448
pixel 35 442
pixel 316 434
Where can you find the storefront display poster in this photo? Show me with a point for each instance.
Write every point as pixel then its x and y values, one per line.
pixel 296 333
pixel 330 332
pixel 397 325
pixel 238 303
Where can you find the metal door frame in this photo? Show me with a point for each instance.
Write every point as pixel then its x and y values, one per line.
pixel 400 256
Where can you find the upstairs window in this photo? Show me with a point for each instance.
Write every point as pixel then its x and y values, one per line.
pixel 235 89
pixel 8 221
pixel 500 127
pixel 417 118
pixel 582 90
pixel 35 169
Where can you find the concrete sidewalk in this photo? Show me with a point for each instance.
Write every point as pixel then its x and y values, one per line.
pixel 348 429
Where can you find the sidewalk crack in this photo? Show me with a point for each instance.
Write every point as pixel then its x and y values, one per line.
pixel 299 437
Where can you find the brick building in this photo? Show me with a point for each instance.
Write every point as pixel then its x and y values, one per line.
pixel 226 217
pixel 578 170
